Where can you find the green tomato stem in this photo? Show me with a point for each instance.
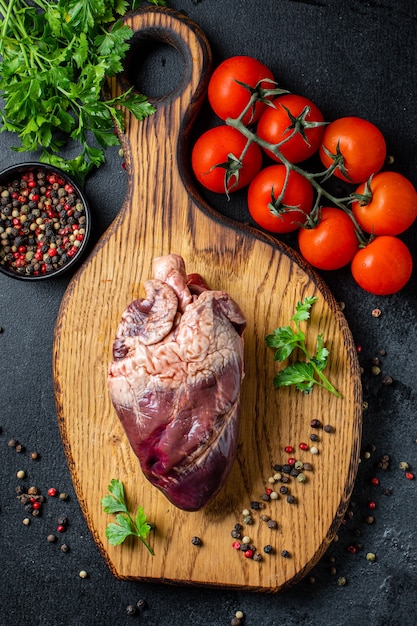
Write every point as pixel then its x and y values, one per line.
pixel 341 203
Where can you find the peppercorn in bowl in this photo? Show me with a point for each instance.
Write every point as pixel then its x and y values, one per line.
pixel 44 222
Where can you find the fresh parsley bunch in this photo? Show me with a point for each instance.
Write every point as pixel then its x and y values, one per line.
pixel 303 374
pixel 125 525
pixel 55 59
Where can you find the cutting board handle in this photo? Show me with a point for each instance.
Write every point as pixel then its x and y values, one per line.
pixel 176 110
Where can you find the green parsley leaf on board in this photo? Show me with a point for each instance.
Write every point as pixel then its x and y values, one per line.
pixel 286 339
pixel 124 526
pixel 55 60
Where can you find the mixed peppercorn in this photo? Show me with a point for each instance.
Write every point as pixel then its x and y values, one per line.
pixel 43 223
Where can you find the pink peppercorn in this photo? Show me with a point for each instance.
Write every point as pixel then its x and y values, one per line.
pixel 248 554
pixel 289 449
pixel 409 475
pixel 52 492
pixel 303 446
pixel 236 545
pixel 371 505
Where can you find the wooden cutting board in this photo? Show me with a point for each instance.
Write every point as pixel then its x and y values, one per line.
pixel 162 213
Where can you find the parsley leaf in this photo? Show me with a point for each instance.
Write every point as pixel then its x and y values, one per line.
pixel 286 339
pixel 55 60
pixel 124 526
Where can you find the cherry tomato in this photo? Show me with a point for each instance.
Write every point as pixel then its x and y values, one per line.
pixel 227 97
pixel 361 144
pixel 211 153
pixel 384 266
pixel 264 192
pixel 276 125
pixel 331 244
pixel 392 205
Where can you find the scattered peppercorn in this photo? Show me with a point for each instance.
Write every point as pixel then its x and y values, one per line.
pixel 196 541
pixel 142 604
pixel 131 609
pixel 285 554
pixel 34 456
pixel 26 521
pixel 370 556
pixel 328 428
pixel 290 499
pixel 268 549
pixel 341 581
pixel 51 538
pixel 21 474
pixel 65 548
pixel 83 574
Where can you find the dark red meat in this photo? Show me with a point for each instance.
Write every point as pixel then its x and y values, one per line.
pixel 175 382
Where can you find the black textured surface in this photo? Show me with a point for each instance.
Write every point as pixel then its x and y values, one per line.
pixel 351 58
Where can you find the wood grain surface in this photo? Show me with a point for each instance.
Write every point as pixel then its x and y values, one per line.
pixel 163 213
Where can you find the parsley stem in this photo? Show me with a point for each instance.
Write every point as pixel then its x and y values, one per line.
pixel 136 534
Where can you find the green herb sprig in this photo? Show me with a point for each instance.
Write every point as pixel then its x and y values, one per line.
pixel 303 374
pixel 125 525
pixel 56 58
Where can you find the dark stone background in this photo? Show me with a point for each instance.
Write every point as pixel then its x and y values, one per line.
pixel 351 58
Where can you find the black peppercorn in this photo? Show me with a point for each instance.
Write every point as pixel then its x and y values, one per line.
pixel 141 604
pixel 285 554
pixel 131 609
pixel 268 549
pixel 196 541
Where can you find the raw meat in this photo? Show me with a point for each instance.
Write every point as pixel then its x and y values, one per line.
pixel 175 382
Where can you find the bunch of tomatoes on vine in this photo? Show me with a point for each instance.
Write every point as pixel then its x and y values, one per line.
pixel 263 123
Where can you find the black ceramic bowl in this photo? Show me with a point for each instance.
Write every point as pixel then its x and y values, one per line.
pixel 45 222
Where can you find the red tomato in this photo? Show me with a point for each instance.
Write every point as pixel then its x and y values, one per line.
pixel 276 126
pixel 296 203
pixel 361 144
pixel 392 205
pixel 332 244
pixel 227 98
pixel 211 154
pixel 384 266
